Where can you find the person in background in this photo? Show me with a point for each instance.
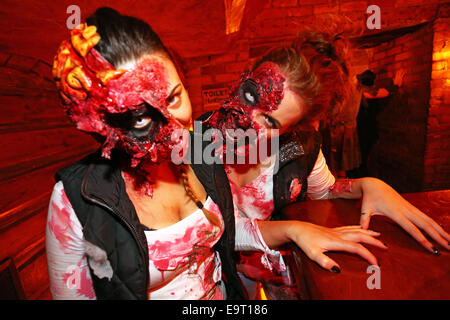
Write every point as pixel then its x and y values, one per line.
pixel 366 119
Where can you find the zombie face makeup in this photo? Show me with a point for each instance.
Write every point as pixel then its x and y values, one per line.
pixel 127 107
pixel 257 94
pixel 259 91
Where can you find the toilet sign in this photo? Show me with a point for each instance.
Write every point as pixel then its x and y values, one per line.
pixel 213 97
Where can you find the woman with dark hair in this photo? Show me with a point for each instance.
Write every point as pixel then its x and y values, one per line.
pixel 125 222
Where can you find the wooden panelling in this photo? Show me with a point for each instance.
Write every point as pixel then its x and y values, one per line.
pixel 21 83
pixel 27 165
pixel 34 125
pixel 44 295
pixel 14 240
pixel 10 284
pixel 18 190
pixel 36 139
pixel 30 146
pixel 24 210
pixel 17 109
pixel 32 266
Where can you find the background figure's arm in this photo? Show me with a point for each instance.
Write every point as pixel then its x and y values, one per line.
pixel 381 93
pixel 68 270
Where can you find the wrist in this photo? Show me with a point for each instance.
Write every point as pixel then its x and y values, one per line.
pixel 293 230
pixel 365 184
pixel 276 233
pixel 346 189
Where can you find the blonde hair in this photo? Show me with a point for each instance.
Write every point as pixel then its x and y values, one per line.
pixel 315 65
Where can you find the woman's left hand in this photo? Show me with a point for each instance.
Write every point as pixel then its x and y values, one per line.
pixel 378 198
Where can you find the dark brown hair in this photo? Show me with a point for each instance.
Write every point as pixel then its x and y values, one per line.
pixel 124 38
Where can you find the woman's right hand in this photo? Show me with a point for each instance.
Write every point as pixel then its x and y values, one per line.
pixel 315 240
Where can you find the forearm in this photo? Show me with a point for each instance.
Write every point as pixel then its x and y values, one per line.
pixel 277 233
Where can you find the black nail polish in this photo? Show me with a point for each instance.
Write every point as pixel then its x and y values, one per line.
pixel 336 269
pixel 436 251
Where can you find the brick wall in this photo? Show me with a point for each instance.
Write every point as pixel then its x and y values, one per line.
pixel 437 152
pixel 214 72
pixel 398 155
pixel 279 21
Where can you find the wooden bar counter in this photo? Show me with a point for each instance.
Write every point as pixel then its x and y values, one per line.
pixel 407 270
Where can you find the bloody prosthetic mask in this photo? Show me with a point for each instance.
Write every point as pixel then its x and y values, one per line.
pixel 128 108
pixel 259 91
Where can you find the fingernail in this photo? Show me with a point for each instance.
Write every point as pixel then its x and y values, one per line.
pixel 336 269
pixel 435 251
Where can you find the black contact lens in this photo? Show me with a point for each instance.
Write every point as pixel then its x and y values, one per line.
pixel 248 92
pixel 145 123
pixel 139 124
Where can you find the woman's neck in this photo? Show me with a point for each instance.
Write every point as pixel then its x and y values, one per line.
pixel 148 176
pixel 165 171
pixel 242 174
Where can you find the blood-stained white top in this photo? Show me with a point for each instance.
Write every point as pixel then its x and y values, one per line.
pixel 183 263
pixel 254 201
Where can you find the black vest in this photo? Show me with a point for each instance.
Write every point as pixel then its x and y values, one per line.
pixel 97 193
pixel 296 158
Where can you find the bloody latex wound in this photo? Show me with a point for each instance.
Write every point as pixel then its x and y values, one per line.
pixel 261 90
pixel 126 107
